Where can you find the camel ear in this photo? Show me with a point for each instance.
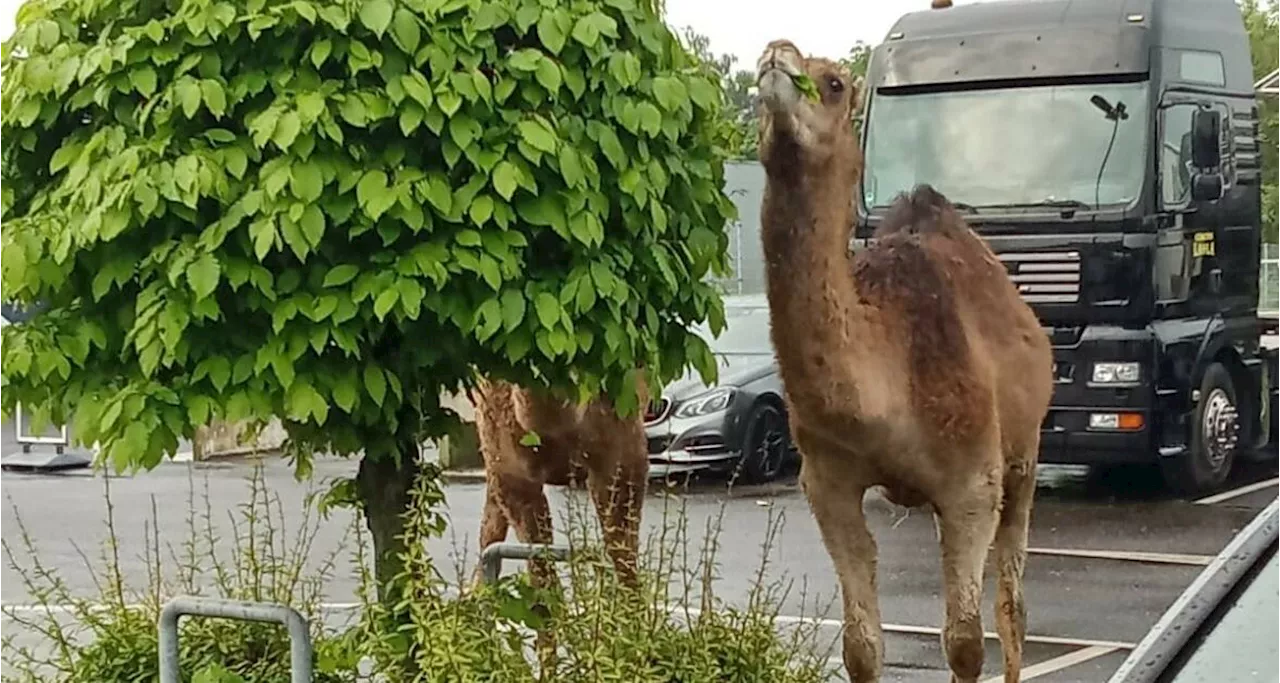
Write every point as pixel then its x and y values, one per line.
pixel 855 96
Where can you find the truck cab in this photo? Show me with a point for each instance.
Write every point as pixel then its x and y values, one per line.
pixel 1108 152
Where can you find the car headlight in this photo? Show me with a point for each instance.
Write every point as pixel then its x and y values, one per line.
pixel 704 404
pixel 1115 373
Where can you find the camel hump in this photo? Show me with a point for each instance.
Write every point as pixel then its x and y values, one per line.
pixel 922 211
pixel 904 275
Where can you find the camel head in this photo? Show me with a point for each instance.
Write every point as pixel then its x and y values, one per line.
pixel 795 127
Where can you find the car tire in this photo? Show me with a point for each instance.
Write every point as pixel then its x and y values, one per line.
pixel 765 445
pixel 1215 433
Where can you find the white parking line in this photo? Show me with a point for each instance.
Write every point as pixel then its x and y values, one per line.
pixel 1059 663
pixel 1127 556
pixel 935 631
pixel 1237 492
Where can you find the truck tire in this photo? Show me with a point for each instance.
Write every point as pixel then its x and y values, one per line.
pixel 1215 432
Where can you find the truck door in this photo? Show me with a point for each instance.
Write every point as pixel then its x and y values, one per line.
pixel 1195 235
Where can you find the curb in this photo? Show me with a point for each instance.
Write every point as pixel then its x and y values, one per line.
pixel 467 476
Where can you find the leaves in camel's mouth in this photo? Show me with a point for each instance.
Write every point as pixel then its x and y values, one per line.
pixel 806 86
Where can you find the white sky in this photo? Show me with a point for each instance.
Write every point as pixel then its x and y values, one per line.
pixel 743 27
pixel 825 28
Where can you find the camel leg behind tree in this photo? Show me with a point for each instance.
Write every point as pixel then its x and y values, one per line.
pixel 590 439
pixel 913 366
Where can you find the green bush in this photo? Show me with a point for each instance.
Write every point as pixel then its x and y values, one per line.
pixel 673 629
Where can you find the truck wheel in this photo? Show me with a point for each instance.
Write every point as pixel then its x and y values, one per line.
pixel 1215 433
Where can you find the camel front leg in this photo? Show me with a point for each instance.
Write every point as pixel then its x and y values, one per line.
pixel 493 523
pixel 836 504
pixel 968 523
pixel 1011 559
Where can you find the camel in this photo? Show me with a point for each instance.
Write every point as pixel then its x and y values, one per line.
pixel 573 439
pixel 912 366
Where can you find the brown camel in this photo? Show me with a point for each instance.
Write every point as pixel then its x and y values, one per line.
pixel 572 440
pixel 912 366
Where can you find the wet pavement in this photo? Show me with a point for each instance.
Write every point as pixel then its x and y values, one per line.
pixel 1083 612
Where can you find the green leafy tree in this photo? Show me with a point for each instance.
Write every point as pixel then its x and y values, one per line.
pixel 335 211
pixel 1261 20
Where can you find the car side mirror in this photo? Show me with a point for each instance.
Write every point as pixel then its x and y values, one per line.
pixel 1206 187
pixel 1206 130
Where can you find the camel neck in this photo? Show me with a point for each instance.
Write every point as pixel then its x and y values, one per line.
pixel 816 313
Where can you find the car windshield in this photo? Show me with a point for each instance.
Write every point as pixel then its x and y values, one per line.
pixel 1010 148
pixel 746 332
pixel 1242 646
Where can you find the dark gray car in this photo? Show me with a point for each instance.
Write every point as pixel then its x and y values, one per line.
pixel 740 423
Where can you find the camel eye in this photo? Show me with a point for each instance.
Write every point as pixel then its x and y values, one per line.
pixel 835 84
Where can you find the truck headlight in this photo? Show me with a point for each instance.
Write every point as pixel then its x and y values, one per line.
pixel 704 404
pixel 1115 373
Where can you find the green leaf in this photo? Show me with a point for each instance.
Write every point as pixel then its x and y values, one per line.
pixel 806 86
pixel 236 161
pixel 537 135
pixel 548 308
pixel 143 79
pixel 376 15
pixel 513 309
pixel 481 209
pixel 320 51
pixel 505 179
pixel 215 98
pixel 345 392
pixel 669 92
pixel 372 191
pixel 571 166
pixel 525 59
pixel 612 148
pixel 341 275
pixel 548 75
pixel 463 130
pixel 312 224
pixel 189 96
pixel 376 384
pixel 531 440
pixel 406 31
pixel 385 302
pixel 306 181
pixel 203 275
pixel 287 130
pixel 552 29
pixel 586 32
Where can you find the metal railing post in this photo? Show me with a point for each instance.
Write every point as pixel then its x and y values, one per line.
pixel 299 633
pixel 492 556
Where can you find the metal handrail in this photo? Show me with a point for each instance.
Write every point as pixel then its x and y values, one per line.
pixel 185 605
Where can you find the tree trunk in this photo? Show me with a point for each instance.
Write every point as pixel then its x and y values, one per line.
pixel 385 483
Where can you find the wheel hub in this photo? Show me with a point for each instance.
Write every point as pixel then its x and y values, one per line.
pixel 1220 427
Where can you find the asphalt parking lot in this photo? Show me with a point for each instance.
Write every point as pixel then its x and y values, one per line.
pixel 1109 553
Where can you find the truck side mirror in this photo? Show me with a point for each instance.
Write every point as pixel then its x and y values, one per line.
pixel 1206 187
pixel 1206 128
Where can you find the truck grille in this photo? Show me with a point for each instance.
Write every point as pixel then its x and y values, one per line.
pixel 1045 277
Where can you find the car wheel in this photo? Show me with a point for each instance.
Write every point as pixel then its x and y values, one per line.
pixel 765 445
pixel 1215 436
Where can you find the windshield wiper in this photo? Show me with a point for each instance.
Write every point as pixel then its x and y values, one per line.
pixel 1050 202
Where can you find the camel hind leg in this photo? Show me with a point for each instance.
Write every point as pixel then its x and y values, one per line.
pixel 617 476
pixel 968 523
pixel 1011 559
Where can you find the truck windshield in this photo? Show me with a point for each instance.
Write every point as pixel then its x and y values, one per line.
pixel 1010 148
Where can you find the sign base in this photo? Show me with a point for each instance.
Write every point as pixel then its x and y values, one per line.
pixel 45 459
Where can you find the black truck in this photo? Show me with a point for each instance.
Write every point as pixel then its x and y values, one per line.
pixel 1108 152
